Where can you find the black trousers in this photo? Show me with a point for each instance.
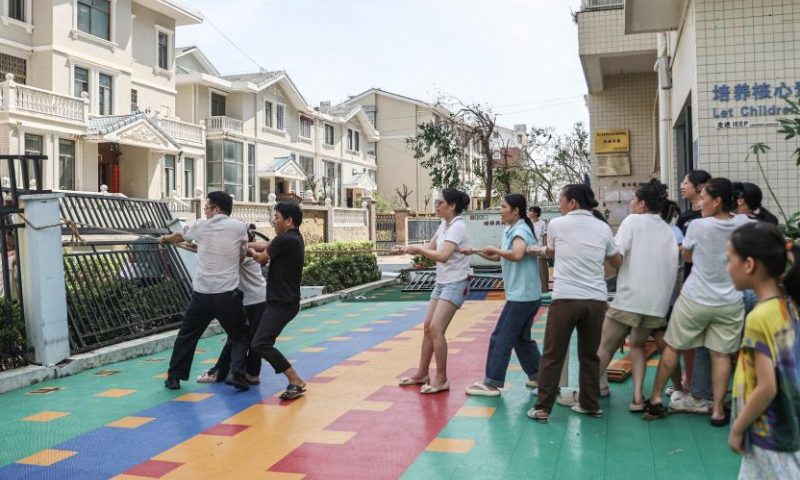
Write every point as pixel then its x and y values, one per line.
pixel 225 307
pixel 254 314
pixel 276 317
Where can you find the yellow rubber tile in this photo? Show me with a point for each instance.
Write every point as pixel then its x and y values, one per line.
pixel 398 315
pixel 331 322
pixel 372 406
pixel 313 349
pixel 652 363
pixel 461 340
pixel 450 445
pixel 160 375
pixel 284 339
pixel 513 367
pixel 480 412
pixel 309 330
pixel 367 309
pixel 45 416
pixel 382 321
pixel 130 422
pixel 351 315
pixel 538 330
pixel 210 361
pixel 306 315
pixel 48 457
pixel 363 329
pixel 193 397
pixel 339 339
pixel 115 393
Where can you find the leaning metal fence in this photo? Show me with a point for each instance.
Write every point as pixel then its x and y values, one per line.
pixel 117 291
pixel 20 175
pixel 99 214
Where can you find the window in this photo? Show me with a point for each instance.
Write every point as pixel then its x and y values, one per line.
pixel 34 145
pixel 188 177
pixel 307 164
pixel 372 175
pixel 357 141
pixel 328 134
pixel 81 81
pixel 169 175
pixel 134 101
pixel 305 126
pixel 163 51
pixel 225 170
pixel 217 105
pixel 251 173
pixel 16 9
pixel 264 189
pixel 66 164
pixel 106 97
pixel 349 139
pixel 94 18
pixel 370 111
pixel 268 114
pixel 280 112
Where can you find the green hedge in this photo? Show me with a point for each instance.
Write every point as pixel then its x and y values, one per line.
pixel 13 343
pixel 338 271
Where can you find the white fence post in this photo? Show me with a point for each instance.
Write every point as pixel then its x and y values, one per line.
pixel 43 288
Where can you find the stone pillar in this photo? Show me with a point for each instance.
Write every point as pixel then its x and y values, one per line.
pixel 43 287
pixel 329 230
pixel 372 226
pixel 401 226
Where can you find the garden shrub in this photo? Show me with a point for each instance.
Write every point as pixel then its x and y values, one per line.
pixel 13 343
pixel 337 271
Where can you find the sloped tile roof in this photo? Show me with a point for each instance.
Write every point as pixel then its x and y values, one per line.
pixel 259 78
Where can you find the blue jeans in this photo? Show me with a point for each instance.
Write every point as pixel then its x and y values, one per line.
pixel 513 331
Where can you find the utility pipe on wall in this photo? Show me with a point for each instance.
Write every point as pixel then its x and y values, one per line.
pixel 664 115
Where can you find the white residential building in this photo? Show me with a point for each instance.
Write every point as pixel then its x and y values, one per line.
pixel 264 138
pixel 91 84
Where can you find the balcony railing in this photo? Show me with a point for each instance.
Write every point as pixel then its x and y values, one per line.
pixel 187 132
pixel 14 96
pixel 591 4
pixel 225 124
pixel 372 159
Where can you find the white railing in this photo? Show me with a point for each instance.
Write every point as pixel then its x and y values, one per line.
pixel 22 97
pixel 589 4
pixel 225 124
pixel 178 130
pixel 372 159
pixel 258 213
pixel 349 217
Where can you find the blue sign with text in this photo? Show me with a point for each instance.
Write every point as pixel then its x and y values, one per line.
pixel 743 92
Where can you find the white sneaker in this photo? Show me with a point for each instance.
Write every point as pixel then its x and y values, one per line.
pixel 676 396
pixel 689 404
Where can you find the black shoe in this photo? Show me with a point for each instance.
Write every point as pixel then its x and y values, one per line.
pixel 172 383
pixel 237 380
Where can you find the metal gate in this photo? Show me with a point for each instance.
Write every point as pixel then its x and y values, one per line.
pixel 121 289
pixel 386 231
pixel 423 280
pixel 21 174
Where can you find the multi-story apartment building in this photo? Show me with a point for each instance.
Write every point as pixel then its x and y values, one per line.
pixel 397 117
pixel 676 85
pixel 263 137
pixel 91 84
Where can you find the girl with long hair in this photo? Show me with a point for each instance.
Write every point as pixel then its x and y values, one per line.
pixel 523 295
pixel 450 291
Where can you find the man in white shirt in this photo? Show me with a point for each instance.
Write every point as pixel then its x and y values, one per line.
pixel 540 230
pixel 221 246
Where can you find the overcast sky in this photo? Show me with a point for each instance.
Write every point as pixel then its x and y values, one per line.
pixel 519 56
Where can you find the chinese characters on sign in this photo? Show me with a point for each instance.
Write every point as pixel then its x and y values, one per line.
pixel 735 124
pixel 611 141
pixel 743 92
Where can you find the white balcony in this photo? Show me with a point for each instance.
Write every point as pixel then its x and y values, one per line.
pixel 224 124
pixel 182 131
pixel 590 4
pixel 371 159
pixel 22 98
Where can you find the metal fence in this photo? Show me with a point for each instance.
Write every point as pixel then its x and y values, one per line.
pixel 117 291
pixel 101 214
pixel 385 231
pixel 21 174
pixel 422 229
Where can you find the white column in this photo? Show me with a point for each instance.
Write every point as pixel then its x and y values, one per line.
pixel 43 288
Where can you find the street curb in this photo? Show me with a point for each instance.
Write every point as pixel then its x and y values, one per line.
pixel 32 374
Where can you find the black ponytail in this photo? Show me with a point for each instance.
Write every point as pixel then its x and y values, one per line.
pixel 764 243
pixel 752 196
pixel 722 188
pixel 457 198
pixel 516 200
pixel 653 194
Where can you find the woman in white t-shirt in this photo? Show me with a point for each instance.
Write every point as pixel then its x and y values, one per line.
pixel 645 283
pixel 709 311
pixel 450 291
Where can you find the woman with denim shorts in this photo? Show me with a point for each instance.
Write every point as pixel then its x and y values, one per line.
pixel 523 295
pixel 450 291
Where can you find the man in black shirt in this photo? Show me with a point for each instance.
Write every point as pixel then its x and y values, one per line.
pixel 285 254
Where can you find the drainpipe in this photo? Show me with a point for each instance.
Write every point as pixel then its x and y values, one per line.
pixel 664 116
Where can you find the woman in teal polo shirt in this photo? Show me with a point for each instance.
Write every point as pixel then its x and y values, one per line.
pixel 523 295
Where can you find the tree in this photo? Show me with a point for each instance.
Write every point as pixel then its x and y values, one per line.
pixel 552 161
pixel 572 154
pixel 478 122
pixel 314 183
pixel 404 194
pixel 439 147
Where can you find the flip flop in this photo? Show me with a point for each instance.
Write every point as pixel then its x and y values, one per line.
pixel 479 389
pixel 539 415
pixel 429 389
pixel 408 381
pixel 569 399
pixel 293 391
pixel 638 407
pixel 583 411
pixel 207 377
pixel 532 384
